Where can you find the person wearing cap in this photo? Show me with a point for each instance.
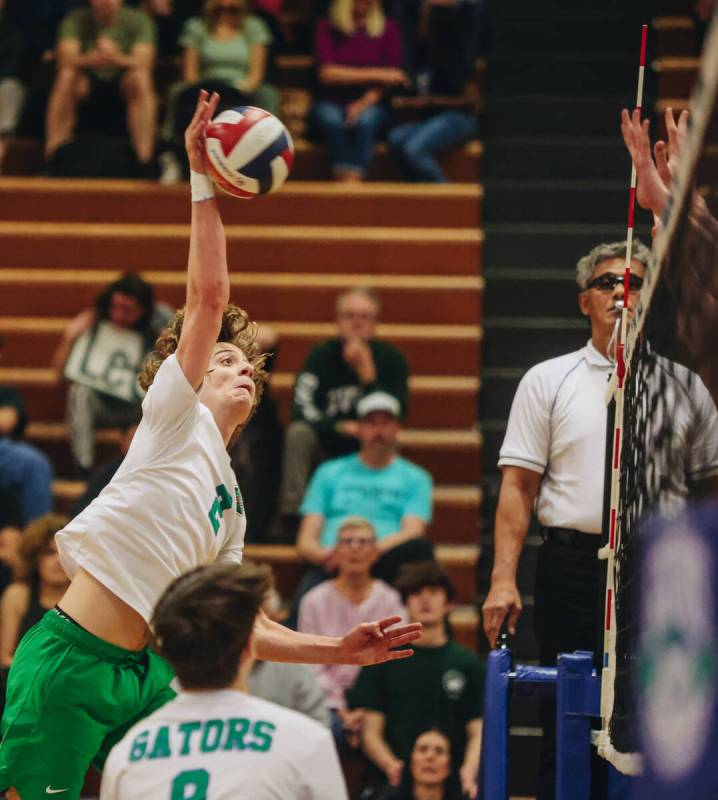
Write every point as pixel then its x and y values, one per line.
pixel 393 494
pixel 335 376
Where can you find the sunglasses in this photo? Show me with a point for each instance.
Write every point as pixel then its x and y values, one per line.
pixel 607 282
pixel 226 9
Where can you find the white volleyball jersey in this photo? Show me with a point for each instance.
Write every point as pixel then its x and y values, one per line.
pixel 224 745
pixel 173 504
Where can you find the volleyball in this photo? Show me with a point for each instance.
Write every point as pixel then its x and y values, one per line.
pixel 249 151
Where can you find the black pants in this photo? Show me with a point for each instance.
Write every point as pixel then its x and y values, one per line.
pixel 567 602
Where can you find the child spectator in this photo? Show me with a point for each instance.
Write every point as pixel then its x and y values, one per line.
pixel 120 330
pixel 447 678
pixel 351 598
pixel 39 583
pixel 224 51
pixel 334 377
pixel 358 54
pixel 104 52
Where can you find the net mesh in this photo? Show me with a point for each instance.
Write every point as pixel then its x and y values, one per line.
pixel 671 360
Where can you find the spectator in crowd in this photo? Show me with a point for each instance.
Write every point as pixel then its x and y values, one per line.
pixel 104 50
pixel 10 534
pixel 257 454
pixel 551 462
pixel 358 55
pixel 224 51
pixel 12 90
pixel 39 583
pixel 24 470
pixel 448 679
pixel 290 685
pixel 351 598
pixel 441 62
pixel 427 776
pixel 389 491
pixel 203 624
pixel 111 361
pixel 336 374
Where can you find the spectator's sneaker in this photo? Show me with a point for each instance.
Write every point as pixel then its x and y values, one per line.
pixel 170 169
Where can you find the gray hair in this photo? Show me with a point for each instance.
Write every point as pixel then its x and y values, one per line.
pixel 364 291
pixel 602 252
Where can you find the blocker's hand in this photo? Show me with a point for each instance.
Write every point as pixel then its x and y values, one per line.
pixel 651 191
pixel 372 643
pixel 196 133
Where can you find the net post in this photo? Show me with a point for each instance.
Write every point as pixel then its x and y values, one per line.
pixel 494 771
pixel 577 701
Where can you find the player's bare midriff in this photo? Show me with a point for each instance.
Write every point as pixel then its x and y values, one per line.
pixel 101 612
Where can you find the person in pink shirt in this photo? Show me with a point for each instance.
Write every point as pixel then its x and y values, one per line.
pixel 352 597
pixel 358 54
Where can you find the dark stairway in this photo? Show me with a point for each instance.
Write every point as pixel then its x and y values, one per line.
pixel 556 177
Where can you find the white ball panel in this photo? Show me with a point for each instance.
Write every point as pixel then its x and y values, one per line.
pixel 279 172
pixel 254 141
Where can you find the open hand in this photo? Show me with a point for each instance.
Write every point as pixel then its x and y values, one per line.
pixel 373 643
pixel 196 134
pixel 651 191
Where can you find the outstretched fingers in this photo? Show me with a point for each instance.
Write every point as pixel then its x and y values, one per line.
pixel 394 655
pixel 404 635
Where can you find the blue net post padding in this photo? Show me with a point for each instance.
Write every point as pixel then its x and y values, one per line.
pixel 494 770
pixel 578 700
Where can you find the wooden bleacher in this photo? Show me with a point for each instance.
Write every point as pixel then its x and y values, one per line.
pixel 289 254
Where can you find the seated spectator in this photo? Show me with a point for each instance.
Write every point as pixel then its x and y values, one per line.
pixel 447 678
pixel 358 54
pixel 351 598
pixel 12 90
pixel 389 491
pixel 427 776
pixel 104 52
pixel 39 583
pixel 290 685
pixel 25 472
pixel 257 454
pixel 334 377
pixel 224 51
pixel 441 62
pixel 10 534
pixel 100 353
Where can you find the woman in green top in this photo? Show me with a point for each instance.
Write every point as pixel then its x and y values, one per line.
pixel 224 51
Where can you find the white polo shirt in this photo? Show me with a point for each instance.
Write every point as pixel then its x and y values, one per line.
pixel 224 745
pixel 557 427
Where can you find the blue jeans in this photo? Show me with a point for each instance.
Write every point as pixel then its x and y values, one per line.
pixel 350 146
pixel 415 144
pixel 28 470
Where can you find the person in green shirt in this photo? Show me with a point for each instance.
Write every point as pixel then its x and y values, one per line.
pixel 99 47
pixel 448 679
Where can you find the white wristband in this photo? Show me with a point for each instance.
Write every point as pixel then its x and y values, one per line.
pixel 201 185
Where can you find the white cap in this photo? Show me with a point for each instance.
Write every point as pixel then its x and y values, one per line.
pixel 378 401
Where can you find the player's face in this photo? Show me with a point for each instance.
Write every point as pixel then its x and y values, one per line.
pixel 356 317
pixel 49 567
pixel 125 310
pixel 379 430
pixel 228 384
pixel 429 606
pixel 430 759
pixel 599 304
pixel 355 551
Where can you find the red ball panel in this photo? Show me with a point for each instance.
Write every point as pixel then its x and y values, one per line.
pixel 229 133
pixel 224 184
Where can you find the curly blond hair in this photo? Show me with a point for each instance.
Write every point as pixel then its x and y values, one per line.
pixel 237 329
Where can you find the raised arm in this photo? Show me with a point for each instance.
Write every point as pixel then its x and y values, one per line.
pixel 207 271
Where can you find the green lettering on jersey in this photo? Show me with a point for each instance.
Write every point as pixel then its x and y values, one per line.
pixel 222 502
pixel 238 498
pixel 187 729
pixel 237 729
pixel 162 744
pixel 262 732
pixel 211 735
pixel 196 780
pixel 139 746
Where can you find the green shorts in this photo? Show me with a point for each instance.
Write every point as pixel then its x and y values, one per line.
pixel 70 698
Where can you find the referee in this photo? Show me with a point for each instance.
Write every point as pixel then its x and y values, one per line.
pixel 552 461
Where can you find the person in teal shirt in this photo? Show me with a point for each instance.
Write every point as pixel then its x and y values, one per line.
pixel 376 483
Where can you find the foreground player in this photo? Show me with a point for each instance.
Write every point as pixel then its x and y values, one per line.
pixel 213 740
pixel 83 675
